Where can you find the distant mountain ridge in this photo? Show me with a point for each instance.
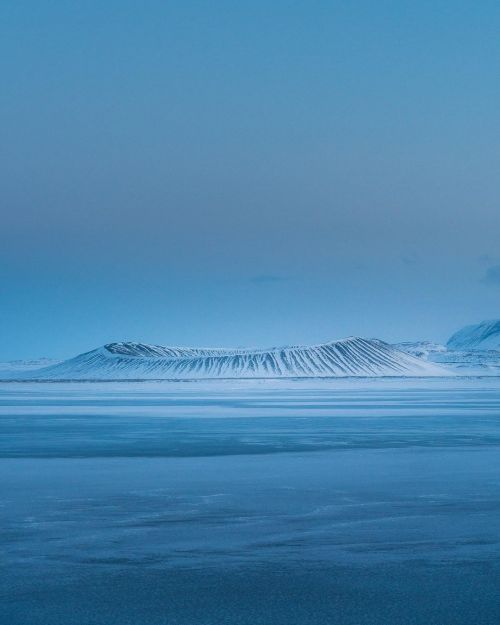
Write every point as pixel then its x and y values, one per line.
pixel 352 356
pixel 482 336
pixel 474 349
pixel 19 365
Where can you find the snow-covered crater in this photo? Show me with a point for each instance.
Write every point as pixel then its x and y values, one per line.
pixel 352 356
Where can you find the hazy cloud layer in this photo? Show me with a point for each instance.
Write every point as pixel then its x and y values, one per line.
pixel 268 279
pixel 152 160
pixel 492 276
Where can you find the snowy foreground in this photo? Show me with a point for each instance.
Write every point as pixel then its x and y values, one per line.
pixel 283 502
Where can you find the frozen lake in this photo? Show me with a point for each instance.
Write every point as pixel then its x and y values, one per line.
pixel 265 503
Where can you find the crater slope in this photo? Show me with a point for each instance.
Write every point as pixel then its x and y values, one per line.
pixel 352 356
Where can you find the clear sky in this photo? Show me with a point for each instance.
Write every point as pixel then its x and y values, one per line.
pixel 246 173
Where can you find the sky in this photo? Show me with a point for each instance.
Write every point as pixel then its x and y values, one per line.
pixel 246 173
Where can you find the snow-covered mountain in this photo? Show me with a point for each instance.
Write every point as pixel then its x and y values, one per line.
pixel 480 336
pixel 348 357
pixel 473 350
pixel 466 362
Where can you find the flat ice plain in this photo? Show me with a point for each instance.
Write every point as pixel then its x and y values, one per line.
pixel 288 502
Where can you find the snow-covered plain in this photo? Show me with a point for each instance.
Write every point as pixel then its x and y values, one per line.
pixel 346 501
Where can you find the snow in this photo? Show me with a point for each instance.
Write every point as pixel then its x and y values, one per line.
pixel 481 336
pixel 472 350
pixel 352 356
pixel 12 366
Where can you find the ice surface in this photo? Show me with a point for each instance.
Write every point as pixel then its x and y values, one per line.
pixel 354 502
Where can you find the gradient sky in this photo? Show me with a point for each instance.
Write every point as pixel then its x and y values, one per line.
pixel 246 173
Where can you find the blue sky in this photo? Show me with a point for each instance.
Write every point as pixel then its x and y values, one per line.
pixel 246 173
